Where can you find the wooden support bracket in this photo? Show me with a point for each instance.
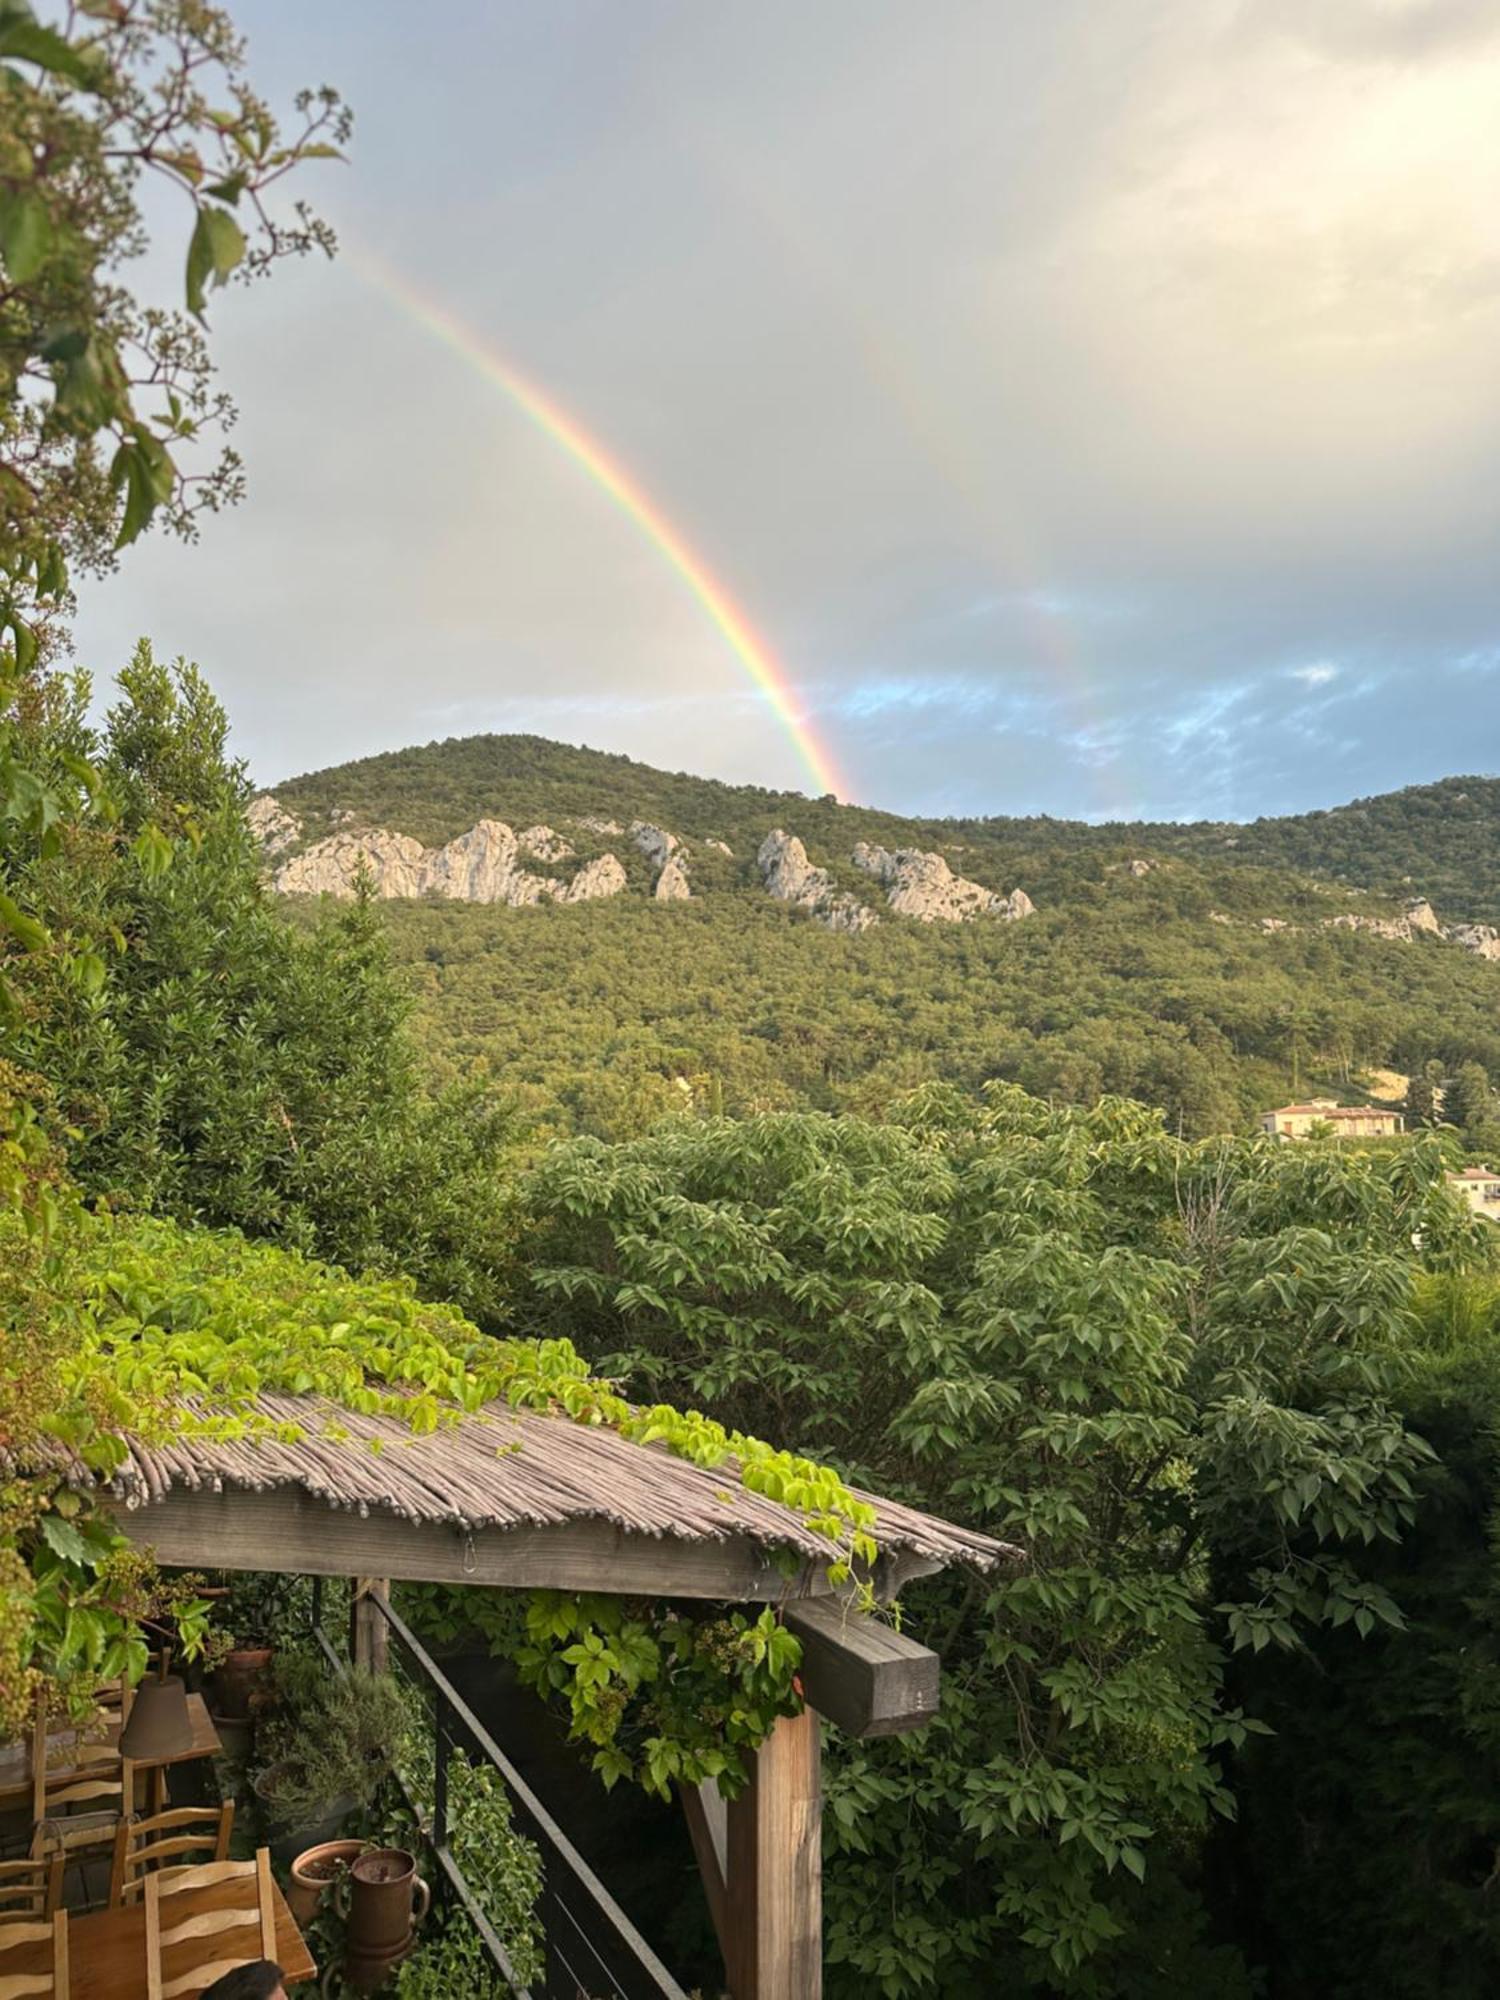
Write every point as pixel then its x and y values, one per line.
pixel 862 1674
pixel 369 1635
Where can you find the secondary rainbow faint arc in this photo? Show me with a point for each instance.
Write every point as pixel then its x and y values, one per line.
pixel 634 502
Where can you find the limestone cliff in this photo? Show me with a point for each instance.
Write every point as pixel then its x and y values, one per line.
pixel 273 826
pixel 665 853
pixel 791 878
pixel 922 885
pixel 481 866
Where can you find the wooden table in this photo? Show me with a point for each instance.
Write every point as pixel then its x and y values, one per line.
pixel 107 1951
pixel 15 1758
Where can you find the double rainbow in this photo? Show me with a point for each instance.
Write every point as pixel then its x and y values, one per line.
pixel 752 652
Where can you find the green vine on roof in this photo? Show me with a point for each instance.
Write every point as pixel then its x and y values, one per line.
pixel 176 1331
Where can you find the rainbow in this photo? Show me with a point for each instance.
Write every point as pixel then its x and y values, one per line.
pixel 753 654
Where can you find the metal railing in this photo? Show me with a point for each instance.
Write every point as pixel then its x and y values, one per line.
pixel 591 1950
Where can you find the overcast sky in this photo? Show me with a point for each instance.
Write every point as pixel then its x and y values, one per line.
pixel 1092 405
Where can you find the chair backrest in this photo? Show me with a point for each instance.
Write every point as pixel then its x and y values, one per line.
pixel 163 1841
pixel 77 1772
pixel 191 1914
pixel 30 1889
pixel 43 1952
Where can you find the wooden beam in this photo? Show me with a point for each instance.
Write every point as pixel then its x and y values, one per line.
pixel 369 1635
pixel 708 1829
pixel 774 1893
pixel 292 1533
pixel 863 1674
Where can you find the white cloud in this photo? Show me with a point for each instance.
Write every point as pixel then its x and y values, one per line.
pixel 1318 674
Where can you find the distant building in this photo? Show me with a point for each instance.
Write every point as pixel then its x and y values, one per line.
pixel 1349 1121
pixel 1480 1188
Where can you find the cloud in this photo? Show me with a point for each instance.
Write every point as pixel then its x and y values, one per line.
pixel 1037 380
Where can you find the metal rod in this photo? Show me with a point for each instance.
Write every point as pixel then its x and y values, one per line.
pixel 614 1918
pixel 440 1768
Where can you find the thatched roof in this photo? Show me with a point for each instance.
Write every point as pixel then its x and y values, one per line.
pixel 505 1468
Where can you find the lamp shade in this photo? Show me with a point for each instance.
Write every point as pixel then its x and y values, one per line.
pixel 159 1724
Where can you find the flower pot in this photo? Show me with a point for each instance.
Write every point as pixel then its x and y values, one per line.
pixel 289 1840
pixel 314 1872
pixel 233 1733
pixel 239 1675
pixel 382 1899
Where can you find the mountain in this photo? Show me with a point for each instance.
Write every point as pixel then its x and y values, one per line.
pixel 613 941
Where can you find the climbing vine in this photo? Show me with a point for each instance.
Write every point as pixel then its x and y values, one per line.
pixel 177 1331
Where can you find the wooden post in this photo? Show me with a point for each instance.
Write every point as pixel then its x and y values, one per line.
pixel 369 1635
pixel 774 1888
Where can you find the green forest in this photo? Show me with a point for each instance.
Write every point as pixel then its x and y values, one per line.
pixel 1162 986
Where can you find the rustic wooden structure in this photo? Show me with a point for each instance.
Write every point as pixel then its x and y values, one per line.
pixel 511 1499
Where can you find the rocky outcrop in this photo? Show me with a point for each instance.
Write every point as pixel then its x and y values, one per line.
pixel 480 866
pixel 603 877
pixel 272 825
pixel 922 885
pixel 592 824
pixel 544 844
pixel 1397 928
pixel 791 878
pixel 395 864
pixel 1421 916
pixel 1482 939
pixel 672 884
pixel 720 847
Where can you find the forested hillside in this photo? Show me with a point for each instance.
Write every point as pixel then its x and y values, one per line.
pixel 1205 984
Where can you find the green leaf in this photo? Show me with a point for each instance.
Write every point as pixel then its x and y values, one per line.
pixel 24 39
pixel 26 233
pixel 217 246
pixel 63 1538
pixel 27 932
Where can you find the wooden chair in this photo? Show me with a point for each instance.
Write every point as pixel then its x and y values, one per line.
pixel 30 1889
pixel 196 1943
pixel 142 1846
pixel 35 1977
pixel 92 1776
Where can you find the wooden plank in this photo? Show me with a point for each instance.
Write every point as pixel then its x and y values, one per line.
pixel 861 1673
pixel 369 1635
pixel 774 1896
pixel 708 1830
pixel 293 1533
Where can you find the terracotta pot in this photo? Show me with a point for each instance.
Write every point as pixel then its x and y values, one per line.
pixel 382 1899
pixel 239 1675
pixel 314 1873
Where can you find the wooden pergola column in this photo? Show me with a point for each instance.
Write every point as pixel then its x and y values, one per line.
pixel 761 1858
pixel 369 1635
pixel 761 1855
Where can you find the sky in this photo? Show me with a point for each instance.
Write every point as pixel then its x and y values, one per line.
pixel 1089 408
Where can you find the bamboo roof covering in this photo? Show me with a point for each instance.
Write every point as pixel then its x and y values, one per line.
pixel 504 1468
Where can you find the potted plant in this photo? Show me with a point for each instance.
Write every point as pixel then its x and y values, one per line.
pixel 255 1612
pixel 315 1871
pixel 327 1740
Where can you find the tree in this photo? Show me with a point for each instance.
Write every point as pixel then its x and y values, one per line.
pixel 217 1065
pixel 105 401
pixel 1468 1100
pixel 1164 1369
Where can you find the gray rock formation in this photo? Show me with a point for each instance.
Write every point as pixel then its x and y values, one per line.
pixel 1483 939
pixel 544 844
pixel 272 825
pixel 480 866
pixel 655 842
pixel 791 878
pixel 922 885
pixel 672 882
pixel 597 825
pixel 602 877
pixel 720 847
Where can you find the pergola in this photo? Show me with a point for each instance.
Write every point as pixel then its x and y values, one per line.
pixel 512 1500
